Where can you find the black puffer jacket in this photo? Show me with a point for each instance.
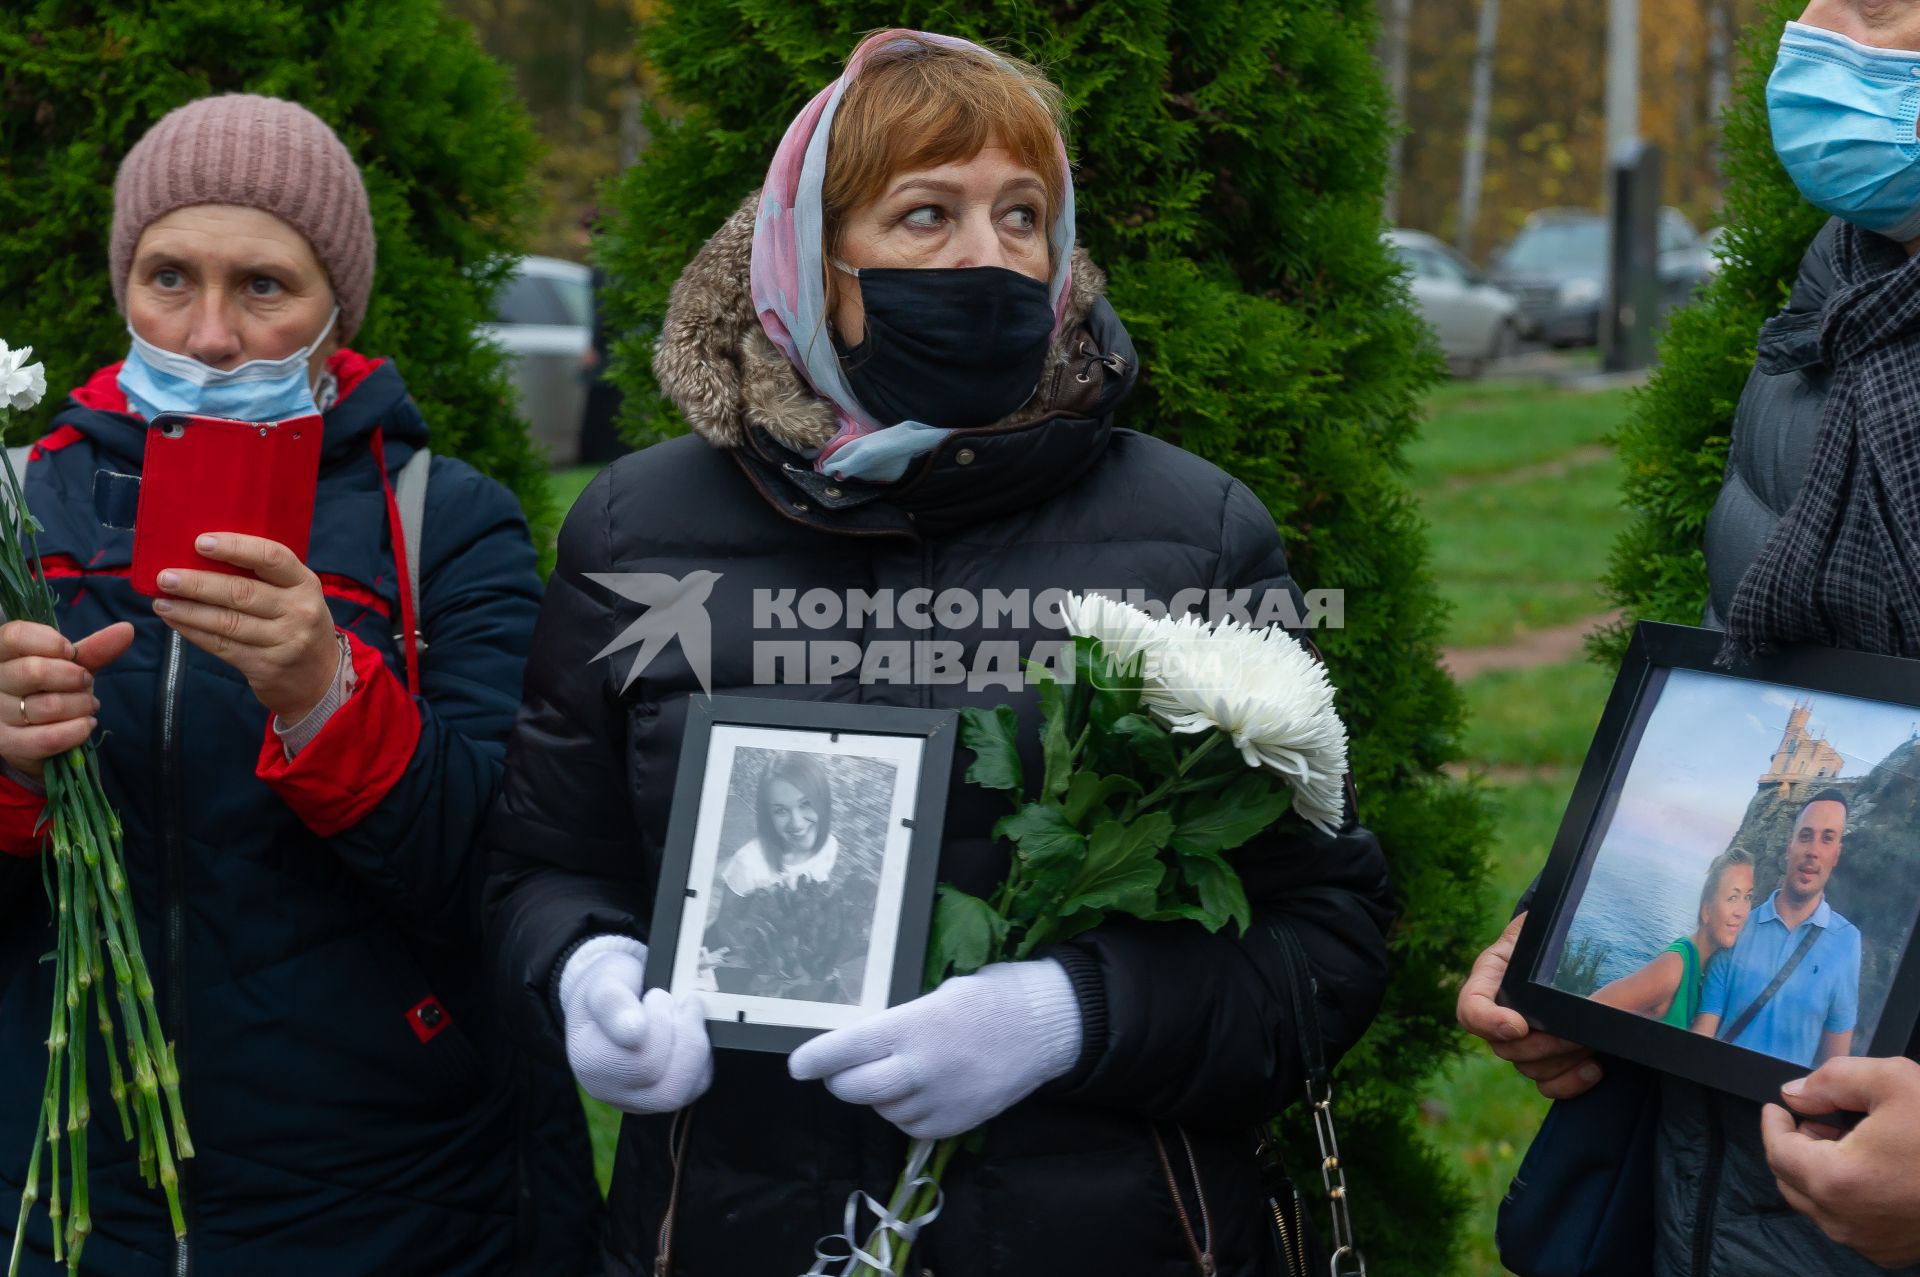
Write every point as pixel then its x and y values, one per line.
pixel 1719 1213
pixel 1185 1030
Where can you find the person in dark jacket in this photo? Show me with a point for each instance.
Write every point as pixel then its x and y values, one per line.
pixel 300 779
pixel 1740 1191
pixel 934 422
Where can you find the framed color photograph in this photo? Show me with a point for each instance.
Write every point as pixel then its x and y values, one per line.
pixel 797 887
pixel 1733 893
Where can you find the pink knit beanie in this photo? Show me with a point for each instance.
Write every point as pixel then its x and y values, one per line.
pixel 264 153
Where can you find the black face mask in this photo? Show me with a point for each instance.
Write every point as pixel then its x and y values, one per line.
pixel 950 348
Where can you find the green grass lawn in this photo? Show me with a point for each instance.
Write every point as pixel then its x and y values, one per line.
pixel 1523 499
pixel 1522 496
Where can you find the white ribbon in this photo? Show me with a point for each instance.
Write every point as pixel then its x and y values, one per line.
pixel 888 1221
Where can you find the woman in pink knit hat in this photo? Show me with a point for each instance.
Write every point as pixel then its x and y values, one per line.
pixel 300 757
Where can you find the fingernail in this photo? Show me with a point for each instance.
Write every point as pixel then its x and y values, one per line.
pixel 206 543
pixel 1794 1087
pixel 170 579
pixel 1589 1073
pixel 163 605
pixel 1509 1031
pixel 96 704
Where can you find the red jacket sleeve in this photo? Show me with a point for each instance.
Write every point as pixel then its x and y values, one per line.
pixel 358 757
pixel 20 810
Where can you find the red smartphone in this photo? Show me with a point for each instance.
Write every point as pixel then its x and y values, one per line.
pixel 209 474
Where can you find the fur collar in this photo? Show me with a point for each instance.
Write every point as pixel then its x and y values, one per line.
pixel 717 365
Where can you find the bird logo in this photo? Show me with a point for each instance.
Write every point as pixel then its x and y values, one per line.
pixel 676 607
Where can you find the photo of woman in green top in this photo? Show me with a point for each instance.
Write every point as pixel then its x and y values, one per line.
pixel 1668 988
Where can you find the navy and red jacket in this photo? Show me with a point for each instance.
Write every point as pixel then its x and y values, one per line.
pixel 311 925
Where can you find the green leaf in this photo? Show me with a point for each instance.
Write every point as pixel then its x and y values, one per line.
pixel 1056 739
pixel 992 735
pixel 1189 913
pixel 1221 822
pixel 1042 834
pixel 966 935
pixel 1087 794
pixel 1122 872
pixel 1223 897
pixel 1149 743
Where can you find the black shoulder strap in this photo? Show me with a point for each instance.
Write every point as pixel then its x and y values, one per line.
pixel 1780 977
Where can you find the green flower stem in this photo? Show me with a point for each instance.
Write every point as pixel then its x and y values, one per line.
pixel 924 1197
pixel 30 1193
pixel 921 1200
pixel 1166 787
pixel 96 943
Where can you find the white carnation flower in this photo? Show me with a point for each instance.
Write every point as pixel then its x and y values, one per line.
pixel 21 384
pixel 1268 694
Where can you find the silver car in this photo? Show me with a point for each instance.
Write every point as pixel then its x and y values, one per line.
pixel 1476 322
pixel 544 320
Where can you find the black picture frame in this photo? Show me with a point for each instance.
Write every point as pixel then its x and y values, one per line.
pixel 691 867
pixel 1653 653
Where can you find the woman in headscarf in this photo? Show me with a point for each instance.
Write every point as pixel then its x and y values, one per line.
pixel 902 379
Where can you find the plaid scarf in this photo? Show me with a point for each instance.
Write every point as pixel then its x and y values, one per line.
pixel 1842 568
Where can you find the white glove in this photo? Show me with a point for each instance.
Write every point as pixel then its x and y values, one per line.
pixel 646 1055
pixel 957 1057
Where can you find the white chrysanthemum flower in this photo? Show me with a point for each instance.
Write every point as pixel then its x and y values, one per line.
pixel 21 384
pixel 1126 634
pixel 1267 693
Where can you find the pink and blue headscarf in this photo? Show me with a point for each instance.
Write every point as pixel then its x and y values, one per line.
pixel 789 283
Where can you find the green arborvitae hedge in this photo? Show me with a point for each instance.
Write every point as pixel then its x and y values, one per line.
pixel 1230 164
pixel 444 146
pixel 1675 441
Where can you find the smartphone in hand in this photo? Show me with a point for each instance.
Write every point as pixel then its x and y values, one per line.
pixel 210 474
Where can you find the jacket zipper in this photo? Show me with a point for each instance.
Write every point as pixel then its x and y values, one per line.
pixel 1200 1247
pixel 173 909
pixel 1290 1234
pixel 1708 1208
pixel 1299 1237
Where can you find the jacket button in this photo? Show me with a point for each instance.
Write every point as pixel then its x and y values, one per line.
pixel 964 456
pixel 431 1015
pixel 834 493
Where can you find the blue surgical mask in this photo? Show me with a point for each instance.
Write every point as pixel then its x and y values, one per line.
pixel 157 381
pixel 1844 119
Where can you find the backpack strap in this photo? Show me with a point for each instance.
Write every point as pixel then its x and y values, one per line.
pixel 410 495
pixel 405 552
pixel 1780 977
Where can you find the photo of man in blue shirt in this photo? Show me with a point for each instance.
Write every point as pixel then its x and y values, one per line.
pixel 1810 1016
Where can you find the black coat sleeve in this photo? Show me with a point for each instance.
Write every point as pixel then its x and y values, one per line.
pixel 1191 1026
pixel 560 841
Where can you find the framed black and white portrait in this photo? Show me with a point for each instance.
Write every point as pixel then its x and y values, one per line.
pixel 797 886
pixel 1734 890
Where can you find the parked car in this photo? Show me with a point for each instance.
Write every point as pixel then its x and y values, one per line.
pixel 1476 322
pixel 1556 267
pixel 544 320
